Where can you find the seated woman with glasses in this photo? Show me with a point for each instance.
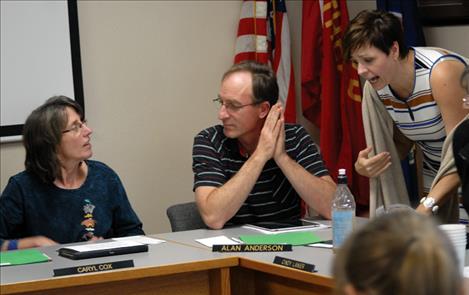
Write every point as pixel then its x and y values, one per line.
pixel 62 196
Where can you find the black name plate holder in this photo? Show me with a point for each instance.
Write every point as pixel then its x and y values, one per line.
pixel 294 264
pixel 252 248
pixel 93 268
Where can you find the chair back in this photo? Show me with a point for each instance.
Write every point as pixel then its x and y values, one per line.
pixel 185 216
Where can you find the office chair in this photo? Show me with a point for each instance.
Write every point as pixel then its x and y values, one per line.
pixel 184 216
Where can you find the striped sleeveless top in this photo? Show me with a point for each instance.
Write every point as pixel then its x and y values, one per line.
pixel 418 116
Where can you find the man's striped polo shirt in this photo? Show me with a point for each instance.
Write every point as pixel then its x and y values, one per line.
pixel 216 159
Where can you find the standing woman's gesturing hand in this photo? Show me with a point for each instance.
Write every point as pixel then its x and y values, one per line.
pixel 374 166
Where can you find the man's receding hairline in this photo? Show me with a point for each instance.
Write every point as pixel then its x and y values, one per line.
pixel 239 71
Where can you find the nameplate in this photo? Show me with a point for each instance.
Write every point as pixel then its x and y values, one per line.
pixel 252 248
pixel 93 268
pixel 294 264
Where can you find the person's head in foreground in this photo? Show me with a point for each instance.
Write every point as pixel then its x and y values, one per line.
pixel 398 253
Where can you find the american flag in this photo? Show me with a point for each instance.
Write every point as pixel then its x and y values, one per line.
pixel 264 36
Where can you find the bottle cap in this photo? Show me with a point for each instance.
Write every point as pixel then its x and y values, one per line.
pixel 342 177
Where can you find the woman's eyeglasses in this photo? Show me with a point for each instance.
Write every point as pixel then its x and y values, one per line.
pixel 76 128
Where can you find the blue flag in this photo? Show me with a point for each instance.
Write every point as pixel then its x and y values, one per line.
pixel 407 11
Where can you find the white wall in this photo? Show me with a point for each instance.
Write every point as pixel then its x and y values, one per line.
pixel 150 70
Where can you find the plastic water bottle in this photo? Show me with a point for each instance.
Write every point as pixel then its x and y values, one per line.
pixel 343 211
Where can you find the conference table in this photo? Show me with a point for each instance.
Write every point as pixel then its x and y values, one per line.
pixel 179 266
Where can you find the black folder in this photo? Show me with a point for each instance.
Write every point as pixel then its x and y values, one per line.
pixel 107 251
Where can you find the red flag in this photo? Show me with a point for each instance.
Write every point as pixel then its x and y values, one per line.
pixel 341 132
pixel 264 36
pixel 311 56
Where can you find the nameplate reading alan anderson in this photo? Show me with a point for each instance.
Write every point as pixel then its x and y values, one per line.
pixel 252 248
pixel 93 268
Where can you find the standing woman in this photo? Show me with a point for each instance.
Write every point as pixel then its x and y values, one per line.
pixel 62 197
pixel 416 92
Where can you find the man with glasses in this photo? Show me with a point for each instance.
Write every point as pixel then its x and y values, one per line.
pixel 254 168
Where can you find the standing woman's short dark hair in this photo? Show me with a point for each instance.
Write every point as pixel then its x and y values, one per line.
pixel 264 81
pixel 374 28
pixel 42 134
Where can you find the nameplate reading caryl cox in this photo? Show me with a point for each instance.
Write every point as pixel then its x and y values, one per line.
pixel 93 268
pixel 294 264
pixel 252 248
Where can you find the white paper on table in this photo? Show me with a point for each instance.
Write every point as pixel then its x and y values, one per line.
pixel 218 240
pixel 279 231
pixel 141 240
pixel 321 245
pixel 466 271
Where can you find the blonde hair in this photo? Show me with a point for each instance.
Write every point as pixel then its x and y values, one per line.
pixel 399 253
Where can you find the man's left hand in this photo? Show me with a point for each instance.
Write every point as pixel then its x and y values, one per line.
pixel 279 151
pixel 266 147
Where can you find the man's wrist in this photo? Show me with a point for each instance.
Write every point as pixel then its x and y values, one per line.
pixel 282 159
pixel 259 157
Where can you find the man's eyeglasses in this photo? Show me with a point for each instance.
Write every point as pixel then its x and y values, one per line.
pixel 230 106
pixel 76 128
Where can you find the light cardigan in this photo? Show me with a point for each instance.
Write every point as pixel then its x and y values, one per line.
pixel 389 187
